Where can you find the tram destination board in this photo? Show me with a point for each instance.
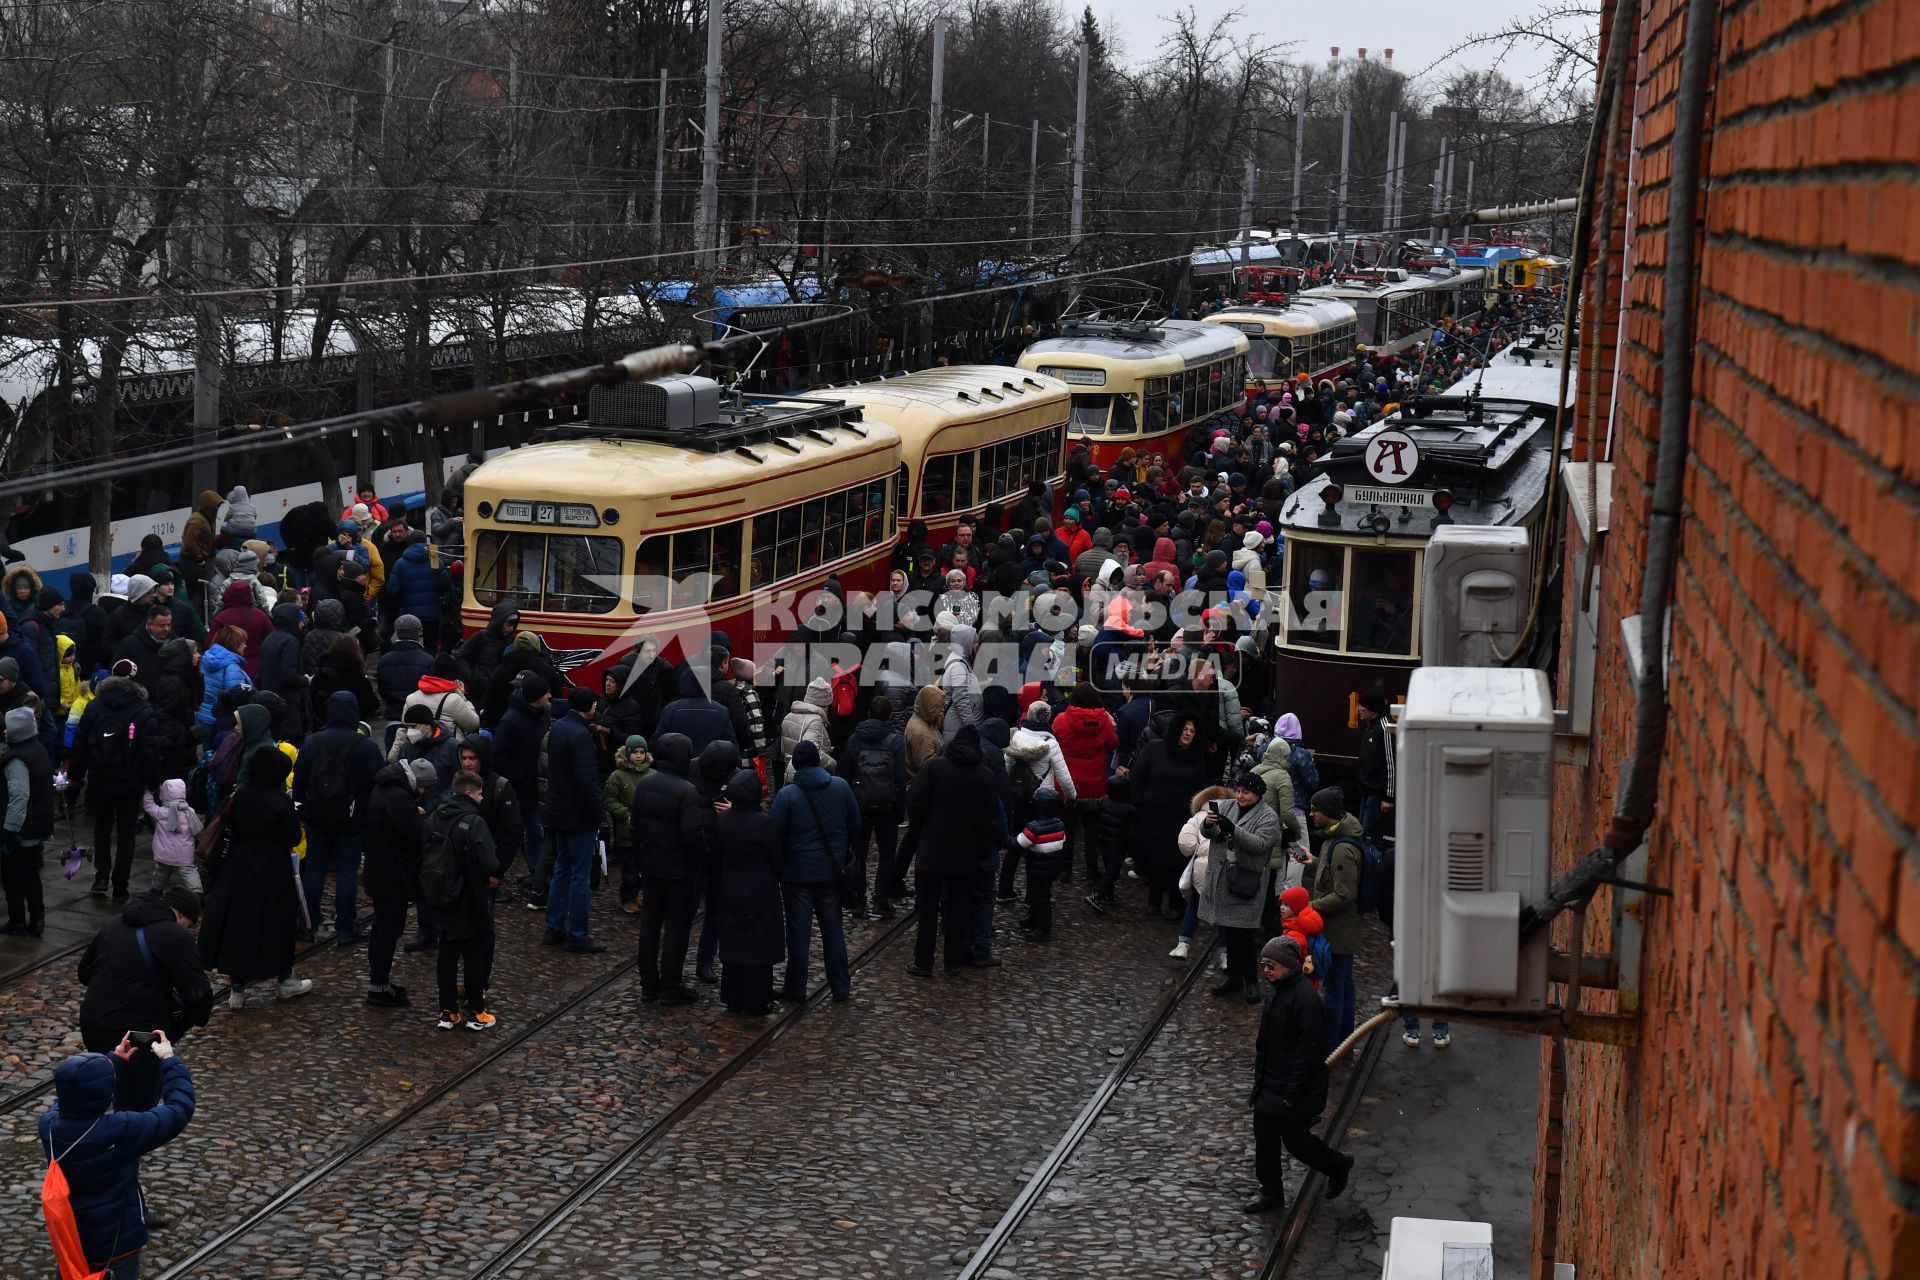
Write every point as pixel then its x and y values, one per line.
pixel 1381 496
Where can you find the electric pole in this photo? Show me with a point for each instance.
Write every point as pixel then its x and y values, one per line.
pixel 1079 151
pixel 939 86
pixel 660 161
pixel 707 241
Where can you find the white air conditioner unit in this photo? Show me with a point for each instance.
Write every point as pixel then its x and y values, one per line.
pixel 1476 599
pixel 1438 1249
pixel 1475 805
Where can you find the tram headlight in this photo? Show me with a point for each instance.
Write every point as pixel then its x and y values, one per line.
pixel 1443 505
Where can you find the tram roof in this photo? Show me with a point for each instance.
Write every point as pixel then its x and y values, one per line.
pixel 603 464
pixel 1194 342
pixel 1416 280
pixel 1491 456
pixel 932 398
pixel 1310 316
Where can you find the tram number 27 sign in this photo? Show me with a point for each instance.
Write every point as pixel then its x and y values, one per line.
pixel 1392 457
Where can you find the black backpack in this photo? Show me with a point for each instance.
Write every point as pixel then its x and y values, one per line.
pixel 441 883
pixel 873 766
pixel 329 800
pixel 110 742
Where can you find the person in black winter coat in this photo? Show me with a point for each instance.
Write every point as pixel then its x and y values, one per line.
pixel 516 757
pixel 1290 1080
pixel 670 831
pixel 253 910
pixel 1166 775
pixel 126 992
pixel 280 670
pixel 646 686
pixel 699 718
pixel 328 625
pixel 332 782
pixel 405 660
pixel 343 669
pixel 752 920
pixel 466 922
pixel 115 747
pixel 574 813
pixel 174 691
pixel 874 763
pixel 86 622
pixel 528 653
pixel 953 809
pixel 499 802
pixel 396 815
pixel 480 653
pixel 712 771
pixel 1118 824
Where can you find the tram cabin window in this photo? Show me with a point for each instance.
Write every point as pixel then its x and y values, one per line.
pixel 726 561
pixel 813 519
pixel 1156 413
pixel 1089 413
pixel 558 572
pixel 1380 602
pixel 650 569
pixel 1265 358
pixel 936 486
pixel 1125 416
pixel 1314 592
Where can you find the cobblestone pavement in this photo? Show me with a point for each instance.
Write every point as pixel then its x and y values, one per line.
pixel 1439 1134
pixel 886 1136
pixel 1156 1187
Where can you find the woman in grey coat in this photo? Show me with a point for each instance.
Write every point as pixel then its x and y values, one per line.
pixel 1243 832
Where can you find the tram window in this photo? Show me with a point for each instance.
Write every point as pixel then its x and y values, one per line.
pixel 1316 575
pixel 726 561
pixel 1364 309
pixel 786 559
pixel 1217 386
pixel 760 565
pixel 1090 413
pixel 936 486
pixel 649 575
pixel 813 519
pixel 963 464
pixel 508 567
pixel 876 512
pixel 900 482
pixel 1124 421
pixel 1263 358
pixel 1380 605
pixel 1156 420
pixel 835 530
pixel 692 560
pixel 583 574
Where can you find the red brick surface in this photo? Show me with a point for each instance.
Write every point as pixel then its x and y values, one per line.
pixel 1768 1124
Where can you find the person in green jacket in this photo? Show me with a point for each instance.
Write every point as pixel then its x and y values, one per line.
pixel 1333 878
pixel 631 762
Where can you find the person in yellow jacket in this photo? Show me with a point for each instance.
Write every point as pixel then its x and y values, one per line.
pixel 69 665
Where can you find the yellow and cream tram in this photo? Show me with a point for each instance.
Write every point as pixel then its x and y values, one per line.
pixel 1312 339
pixel 1395 308
pixel 1141 384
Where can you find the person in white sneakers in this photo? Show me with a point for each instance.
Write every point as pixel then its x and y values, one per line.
pixel 256 908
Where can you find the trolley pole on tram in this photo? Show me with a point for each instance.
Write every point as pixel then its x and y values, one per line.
pixel 1466 228
pixel 939 88
pixel 1079 152
pixel 1346 138
pixel 206 352
pixel 660 160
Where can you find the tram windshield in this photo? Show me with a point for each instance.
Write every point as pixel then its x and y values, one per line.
pixel 558 573
pixel 1267 358
pixel 1380 602
pixel 1090 414
pixel 1351 599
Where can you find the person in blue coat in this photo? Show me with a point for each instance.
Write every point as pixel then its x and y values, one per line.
pixel 99 1149
pixel 575 811
pixel 416 587
pixel 816 818
pixel 221 668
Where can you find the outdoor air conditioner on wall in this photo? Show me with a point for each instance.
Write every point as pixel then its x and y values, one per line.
pixel 1476 597
pixel 1475 800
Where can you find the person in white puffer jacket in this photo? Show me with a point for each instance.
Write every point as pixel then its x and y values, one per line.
pixel 806 721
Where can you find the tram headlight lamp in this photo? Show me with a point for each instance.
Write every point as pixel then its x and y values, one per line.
pixel 1443 507
pixel 1331 495
pixel 611 515
pixel 486 510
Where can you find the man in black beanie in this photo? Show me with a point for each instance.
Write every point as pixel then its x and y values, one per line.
pixel 1372 764
pixel 1333 878
pixel 1290 1081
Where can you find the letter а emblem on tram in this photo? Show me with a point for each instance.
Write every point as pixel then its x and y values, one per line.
pixel 1392 457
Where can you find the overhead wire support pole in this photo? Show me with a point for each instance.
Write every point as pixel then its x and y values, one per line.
pixel 753 198
pixel 1299 136
pixel 705 231
pixel 986 141
pixel 660 162
pixel 1400 181
pixel 1079 153
pixel 1346 138
pixel 939 88
pixel 1246 222
pixel 1466 228
pixel 1033 173
pixel 825 251
pixel 1387 174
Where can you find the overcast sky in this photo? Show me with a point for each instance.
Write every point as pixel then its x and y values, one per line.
pixel 1418 31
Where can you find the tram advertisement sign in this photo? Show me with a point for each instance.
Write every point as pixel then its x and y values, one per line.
pixel 1392 457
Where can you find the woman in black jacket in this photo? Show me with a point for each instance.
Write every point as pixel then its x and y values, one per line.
pixel 391 874
pixel 746 899
pixel 174 692
pixel 1166 775
pixel 254 910
pixel 342 667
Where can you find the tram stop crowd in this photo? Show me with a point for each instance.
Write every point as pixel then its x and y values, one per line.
pixel 297 716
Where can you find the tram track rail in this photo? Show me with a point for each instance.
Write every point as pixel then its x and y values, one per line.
pixel 196 1261
pixel 1007 1228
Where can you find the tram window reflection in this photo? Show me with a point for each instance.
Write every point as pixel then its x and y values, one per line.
pixel 650 575
pixel 583 574
pixel 1090 413
pixel 1381 602
pixel 726 561
pixel 1156 405
pixel 1263 357
pixel 692 559
pixel 936 486
pixel 1124 421
pixel 508 567
pixel 1317 576
pixel 760 564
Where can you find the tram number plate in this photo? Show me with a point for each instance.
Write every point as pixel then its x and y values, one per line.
pixel 1387 497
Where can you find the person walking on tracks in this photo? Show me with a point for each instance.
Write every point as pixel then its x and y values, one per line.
pixel 1290 1081
pixel 954 816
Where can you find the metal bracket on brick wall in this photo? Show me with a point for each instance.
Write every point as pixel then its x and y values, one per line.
pixel 1594 1028
pixel 1596 970
pixel 1630 931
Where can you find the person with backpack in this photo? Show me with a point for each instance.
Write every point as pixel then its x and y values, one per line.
pixel 332 783
pixel 1115 815
pixel 669 832
pixel 1301 766
pixel 97 1146
pixel 222 668
pixel 1034 760
pixel 1299 920
pixel 142 971
pixel 815 818
pixel 115 753
pixel 874 763
pixel 30 805
pixel 1333 878
pixel 440 691
pixel 499 803
pixel 396 817
pixel 1273 770
pixel 254 909
pixel 458 874
pixel 806 721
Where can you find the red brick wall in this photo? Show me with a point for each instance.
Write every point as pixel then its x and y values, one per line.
pixel 1769 1122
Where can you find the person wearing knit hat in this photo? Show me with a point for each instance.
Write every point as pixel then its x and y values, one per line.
pixel 28 777
pixel 1290 1081
pixel 637 743
pixel 407 628
pixel 1333 880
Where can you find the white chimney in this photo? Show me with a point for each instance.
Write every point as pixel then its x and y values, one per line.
pixel 1388 54
pixel 1363 55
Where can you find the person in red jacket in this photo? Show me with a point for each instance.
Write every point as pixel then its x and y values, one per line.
pixel 1088 739
pixel 239 610
pixel 1301 921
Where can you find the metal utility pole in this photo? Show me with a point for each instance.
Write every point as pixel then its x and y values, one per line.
pixel 706 232
pixel 1400 177
pixel 1033 176
pixel 826 217
pixel 1299 136
pixel 1466 228
pixel 660 160
pixel 939 87
pixel 386 96
pixel 1387 173
pixel 1346 138
pixel 1246 223
pixel 1446 185
pixel 753 199
pixel 206 349
pixel 1079 151
pixel 1433 199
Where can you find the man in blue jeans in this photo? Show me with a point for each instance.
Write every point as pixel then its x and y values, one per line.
pixel 574 815
pixel 1333 878
pixel 332 784
pixel 816 819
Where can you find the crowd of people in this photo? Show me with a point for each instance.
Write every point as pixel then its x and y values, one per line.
pixel 321 725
